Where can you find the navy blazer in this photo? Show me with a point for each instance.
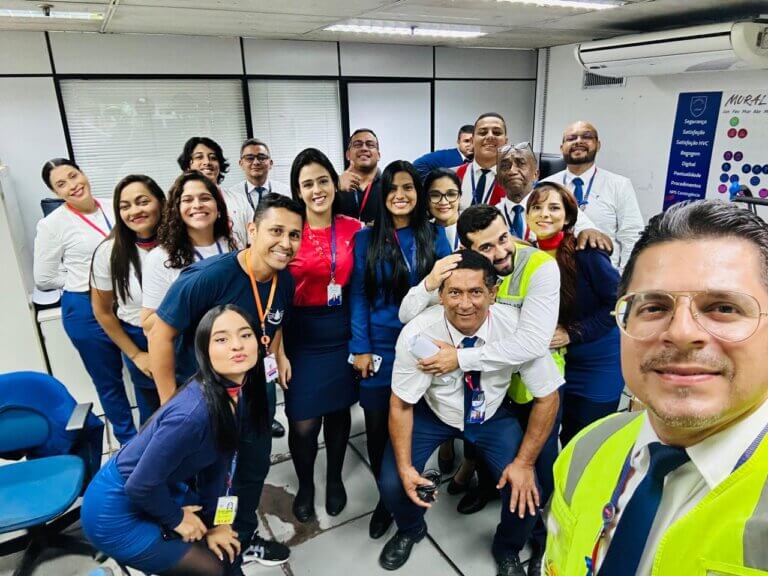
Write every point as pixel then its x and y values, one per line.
pixel 447 158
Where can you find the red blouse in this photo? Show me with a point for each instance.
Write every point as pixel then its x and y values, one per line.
pixel 311 268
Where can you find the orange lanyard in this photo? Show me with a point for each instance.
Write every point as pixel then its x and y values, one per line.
pixel 265 340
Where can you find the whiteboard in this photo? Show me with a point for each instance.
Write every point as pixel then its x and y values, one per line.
pixel 398 112
pixel 459 102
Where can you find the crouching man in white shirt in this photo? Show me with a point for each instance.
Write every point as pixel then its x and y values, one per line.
pixel 426 410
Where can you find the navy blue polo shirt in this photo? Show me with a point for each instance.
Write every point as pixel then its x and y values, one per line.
pixel 211 282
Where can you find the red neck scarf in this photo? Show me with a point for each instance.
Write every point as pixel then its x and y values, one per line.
pixel 551 243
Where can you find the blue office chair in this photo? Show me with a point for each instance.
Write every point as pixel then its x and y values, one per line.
pixel 58 447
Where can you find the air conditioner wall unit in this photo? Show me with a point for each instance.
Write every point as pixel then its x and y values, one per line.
pixel 715 47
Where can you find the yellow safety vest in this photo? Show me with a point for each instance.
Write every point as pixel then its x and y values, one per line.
pixel 725 534
pixel 512 292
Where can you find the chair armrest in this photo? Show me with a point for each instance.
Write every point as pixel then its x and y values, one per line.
pixel 79 415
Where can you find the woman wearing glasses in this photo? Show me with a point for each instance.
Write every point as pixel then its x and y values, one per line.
pixel 393 255
pixel 588 288
pixel 444 191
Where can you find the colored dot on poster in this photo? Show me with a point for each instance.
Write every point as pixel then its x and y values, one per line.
pixel 738 156
pixel 723 178
pixel 734 121
pixel 765 168
pixel 757 169
pixel 734 178
pixel 726 166
pixel 746 168
pixel 732 133
pixel 763 193
pixel 754 180
pixel 728 155
pixel 743 133
pixel 722 188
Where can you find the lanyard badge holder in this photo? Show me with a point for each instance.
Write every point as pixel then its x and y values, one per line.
pixel 477 402
pixel 226 506
pixel 270 361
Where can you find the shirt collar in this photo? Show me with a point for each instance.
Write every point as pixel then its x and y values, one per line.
pixel 476 169
pixel 482 332
pixel 569 176
pixel 252 187
pixel 716 456
pixel 507 202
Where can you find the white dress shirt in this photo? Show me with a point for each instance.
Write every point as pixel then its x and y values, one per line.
pixel 533 329
pixel 246 192
pixel 466 184
pixel 612 206
pixel 64 246
pixel 128 310
pixel 446 399
pixel 507 209
pixel 712 461
pixel 157 277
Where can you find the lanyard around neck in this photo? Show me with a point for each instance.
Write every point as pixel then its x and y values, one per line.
pixel 90 223
pixel 409 262
pixel 321 252
pixel 265 340
pixel 585 200
pixel 201 257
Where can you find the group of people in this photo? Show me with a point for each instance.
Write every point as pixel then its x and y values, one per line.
pixel 458 297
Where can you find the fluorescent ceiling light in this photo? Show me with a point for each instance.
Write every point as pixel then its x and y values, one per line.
pixel 400 30
pixel 575 4
pixel 53 15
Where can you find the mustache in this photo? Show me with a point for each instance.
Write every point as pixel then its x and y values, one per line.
pixel 699 358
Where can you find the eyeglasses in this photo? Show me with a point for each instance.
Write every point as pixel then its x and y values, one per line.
pixel 436 197
pixel 729 316
pixel 358 144
pixel 589 136
pixel 519 147
pixel 251 158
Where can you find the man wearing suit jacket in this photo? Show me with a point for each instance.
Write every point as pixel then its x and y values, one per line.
pixel 448 157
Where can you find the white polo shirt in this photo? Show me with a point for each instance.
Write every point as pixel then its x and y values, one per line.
pixel 128 310
pixel 446 399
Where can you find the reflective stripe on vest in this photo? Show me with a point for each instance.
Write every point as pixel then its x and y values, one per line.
pixel 512 292
pixel 756 534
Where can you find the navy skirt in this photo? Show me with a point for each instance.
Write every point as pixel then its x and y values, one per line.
pixel 593 369
pixel 317 344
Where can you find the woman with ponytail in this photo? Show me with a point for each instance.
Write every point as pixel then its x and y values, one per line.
pixel 140 509
pixel 588 286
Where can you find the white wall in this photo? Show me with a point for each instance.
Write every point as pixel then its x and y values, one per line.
pixel 635 122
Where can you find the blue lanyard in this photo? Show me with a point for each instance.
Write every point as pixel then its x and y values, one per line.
pixel 333 251
pixel 486 195
pixel 201 257
pixel 585 201
pixel 231 472
pixel 248 194
pixel 409 263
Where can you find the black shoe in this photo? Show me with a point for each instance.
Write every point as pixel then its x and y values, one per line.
pixel 473 501
pixel 381 520
pixel 456 487
pixel 398 549
pixel 509 565
pixel 304 505
pixel 265 552
pixel 278 430
pixel 335 499
pixel 534 564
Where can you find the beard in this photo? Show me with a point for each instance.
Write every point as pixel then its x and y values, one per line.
pixel 587 159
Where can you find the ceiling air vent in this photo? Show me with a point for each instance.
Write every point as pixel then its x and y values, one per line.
pixel 596 81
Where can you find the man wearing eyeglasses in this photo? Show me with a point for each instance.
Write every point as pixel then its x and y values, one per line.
pixel 360 183
pixel 682 487
pixel 256 163
pixel 607 198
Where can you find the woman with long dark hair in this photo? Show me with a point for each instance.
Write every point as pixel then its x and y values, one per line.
pixel 322 386
pixel 116 279
pixel 588 287
pixel 195 226
pixel 393 255
pixel 64 246
pixel 134 510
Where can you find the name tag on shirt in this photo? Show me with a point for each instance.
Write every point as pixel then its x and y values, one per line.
pixel 477 408
pixel 226 509
pixel 270 369
pixel 334 294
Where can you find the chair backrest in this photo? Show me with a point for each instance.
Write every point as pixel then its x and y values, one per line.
pixel 48 205
pixel 550 164
pixel 22 428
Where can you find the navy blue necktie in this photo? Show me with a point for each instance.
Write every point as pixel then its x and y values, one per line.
pixel 578 190
pixel 517 221
pixel 479 191
pixel 474 375
pixel 635 524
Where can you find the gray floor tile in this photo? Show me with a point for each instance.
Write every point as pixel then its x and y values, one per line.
pixel 347 549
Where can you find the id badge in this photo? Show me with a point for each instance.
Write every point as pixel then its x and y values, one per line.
pixel 226 509
pixel 270 369
pixel 334 294
pixel 477 409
